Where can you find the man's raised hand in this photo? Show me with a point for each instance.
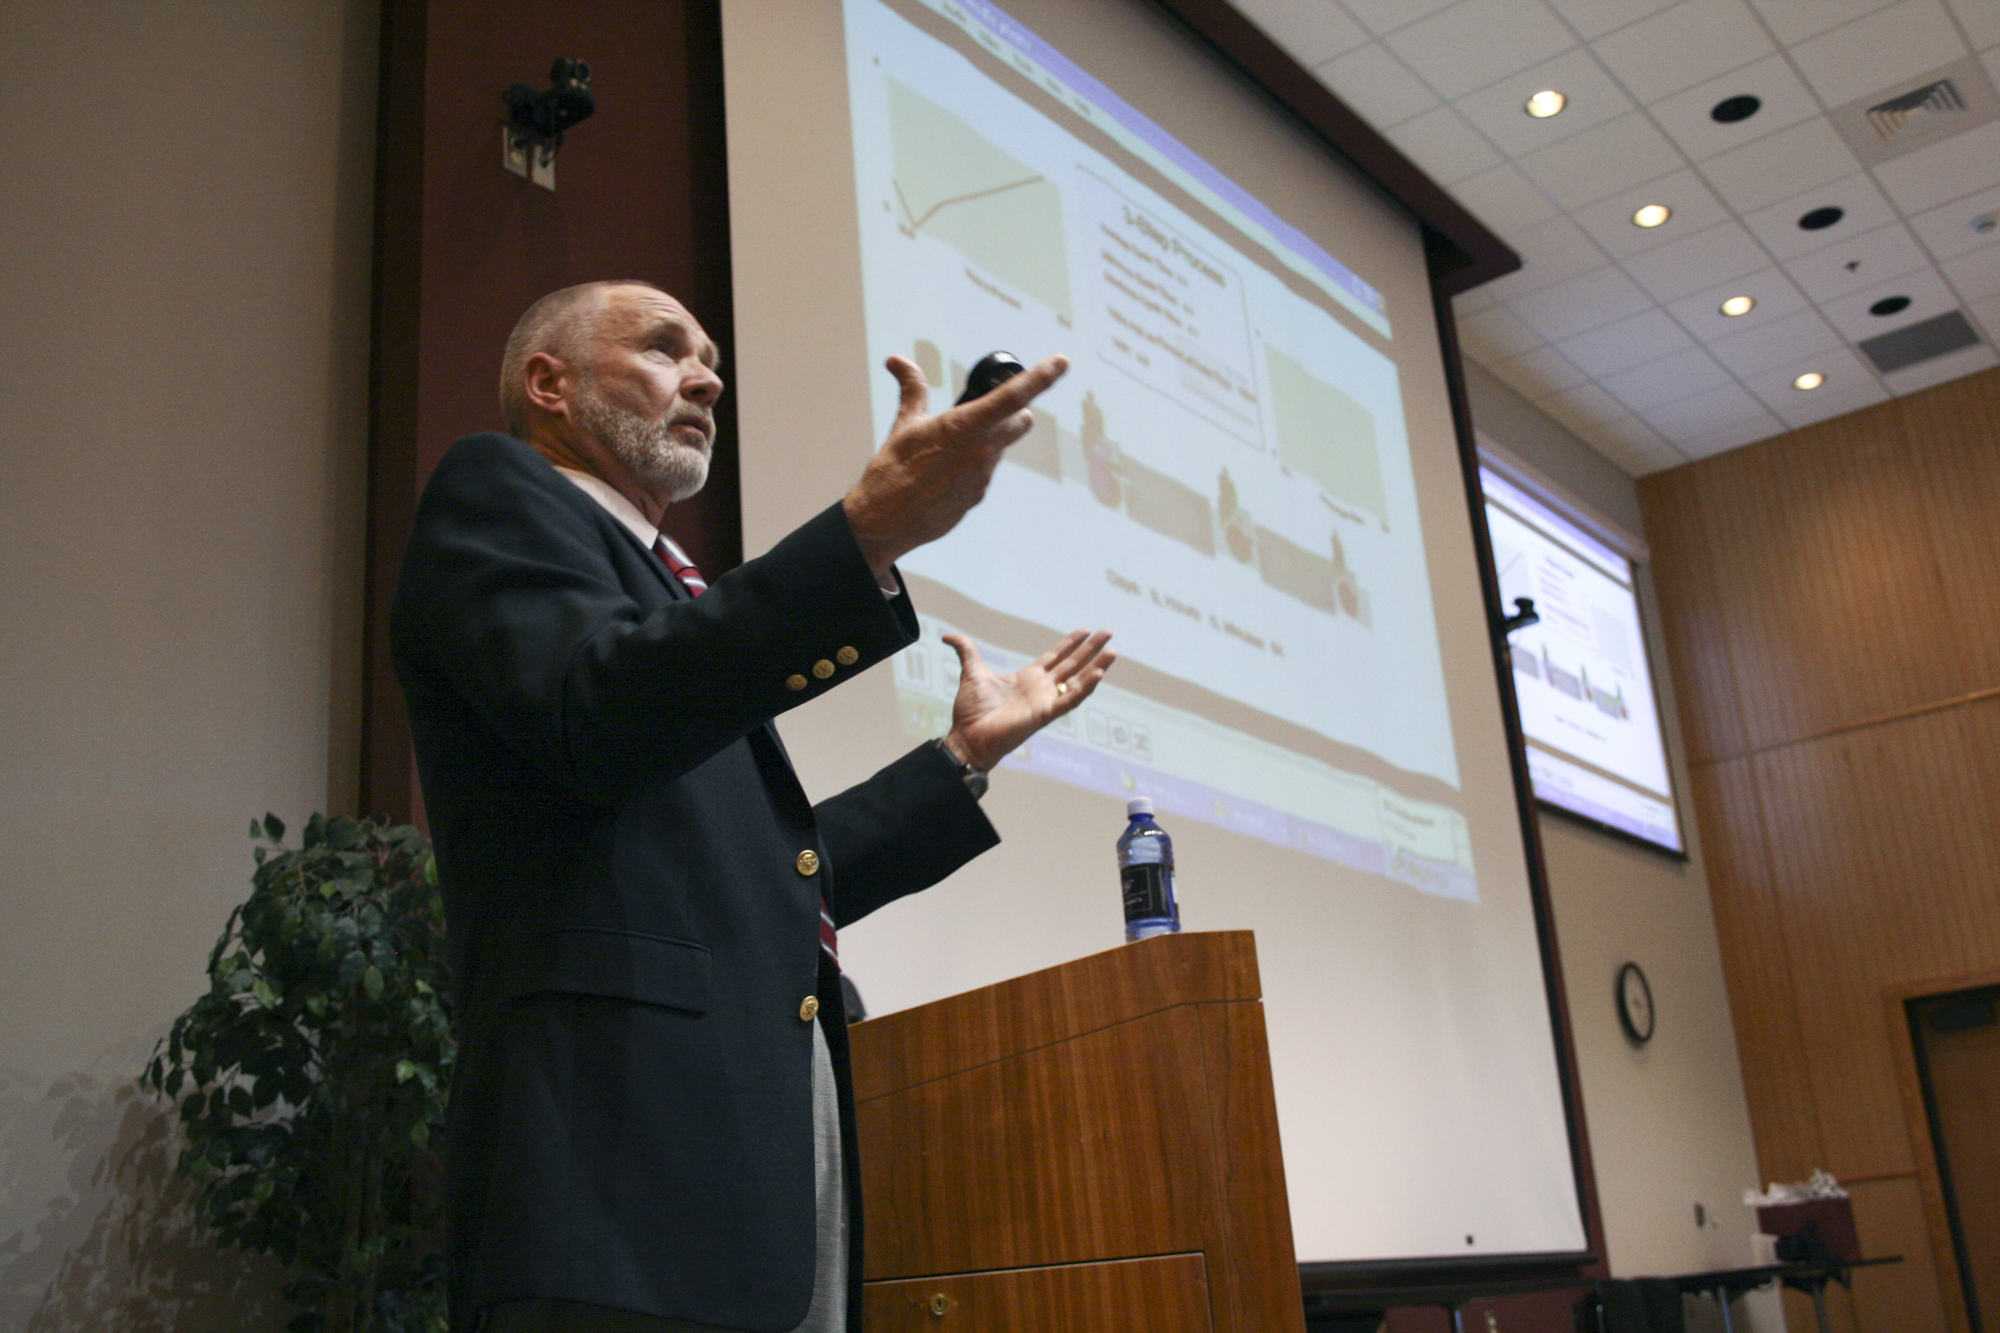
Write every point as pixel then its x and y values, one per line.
pixel 933 469
pixel 992 713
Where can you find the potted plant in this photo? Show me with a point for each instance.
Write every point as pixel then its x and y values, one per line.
pixel 312 1076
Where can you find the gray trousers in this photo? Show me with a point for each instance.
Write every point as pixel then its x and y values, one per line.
pixel 828 1311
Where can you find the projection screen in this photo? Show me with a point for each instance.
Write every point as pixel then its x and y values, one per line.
pixel 1250 475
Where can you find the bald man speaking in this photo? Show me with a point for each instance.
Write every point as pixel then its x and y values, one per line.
pixel 651 1124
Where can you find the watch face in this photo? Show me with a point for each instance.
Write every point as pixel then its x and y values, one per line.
pixel 1635 1003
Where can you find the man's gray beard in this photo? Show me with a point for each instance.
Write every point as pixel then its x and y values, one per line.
pixel 646 446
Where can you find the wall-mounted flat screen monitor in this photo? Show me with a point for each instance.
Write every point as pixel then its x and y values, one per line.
pixel 1581 673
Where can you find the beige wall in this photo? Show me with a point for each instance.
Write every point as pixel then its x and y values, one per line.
pixel 184 308
pixel 1668 1123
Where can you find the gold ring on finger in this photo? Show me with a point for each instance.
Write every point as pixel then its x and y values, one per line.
pixel 1062 687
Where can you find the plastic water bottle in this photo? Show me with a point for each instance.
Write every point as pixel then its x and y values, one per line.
pixel 1146 869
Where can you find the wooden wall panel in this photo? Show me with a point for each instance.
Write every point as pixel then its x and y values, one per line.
pixel 1892 870
pixel 1750 932
pixel 1959 428
pixel 1889 1219
pixel 1167 1294
pixel 1703 674
pixel 1831 600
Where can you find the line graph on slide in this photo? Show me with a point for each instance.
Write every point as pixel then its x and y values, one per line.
pixel 955 185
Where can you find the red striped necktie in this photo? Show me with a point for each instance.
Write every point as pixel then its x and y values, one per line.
pixel 683 568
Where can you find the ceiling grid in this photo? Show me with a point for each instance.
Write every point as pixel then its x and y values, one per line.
pixel 1616 330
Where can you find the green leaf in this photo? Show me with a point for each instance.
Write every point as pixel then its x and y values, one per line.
pixel 274 828
pixel 371 981
pixel 420 1134
pixel 265 995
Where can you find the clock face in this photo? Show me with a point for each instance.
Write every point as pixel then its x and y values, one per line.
pixel 1635 1003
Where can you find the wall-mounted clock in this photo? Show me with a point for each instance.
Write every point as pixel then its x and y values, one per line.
pixel 1635 1004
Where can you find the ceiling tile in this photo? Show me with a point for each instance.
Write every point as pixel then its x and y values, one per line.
pixel 1550 251
pixel 1630 432
pixel 1950 366
pixel 1977 275
pixel 1542 371
pixel 1796 20
pixel 1928 296
pixel 1723 439
pixel 1388 15
pixel 1593 98
pixel 1585 405
pixel 1593 18
pixel 1944 171
pixel 1876 256
pixel 1980 19
pixel 1778 343
pixel 1580 303
pixel 1668 380
pixel 1477 41
pixel 1311 31
pixel 1887 47
pixel 1504 199
pixel 1861 205
pixel 1696 417
pixel 1986 318
pixel 1464 303
pixel 1835 398
pixel 1780 165
pixel 1771 289
pixel 1445 146
pixel 1949 231
pixel 1676 49
pixel 1610 157
pixel 1686 119
pixel 1646 336
pixel 1850 384
pixel 1495 334
pixel 1609 221
pixel 1376 86
pixel 1695 263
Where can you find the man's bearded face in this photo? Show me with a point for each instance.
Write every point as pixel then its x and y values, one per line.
pixel 668 454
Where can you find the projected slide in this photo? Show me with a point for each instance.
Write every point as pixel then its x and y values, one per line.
pixel 1224 477
pixel 1586 696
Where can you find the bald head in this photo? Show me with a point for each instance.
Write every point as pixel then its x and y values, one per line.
pixel 563 325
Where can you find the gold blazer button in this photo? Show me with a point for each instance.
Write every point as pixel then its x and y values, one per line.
pixel 809 1008
pixel 795 682
pixel 808 862
pixel 847 657
pixel 822 668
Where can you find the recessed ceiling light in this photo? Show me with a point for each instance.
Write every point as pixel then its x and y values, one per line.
pixel 1890 305
pixel 1821 218
pixel 1738 305
pixel 1652 215
pixel 1546 103
pixel 1732 109
pixel 1812 379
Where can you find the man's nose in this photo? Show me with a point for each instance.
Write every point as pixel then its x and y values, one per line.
pixel 702 385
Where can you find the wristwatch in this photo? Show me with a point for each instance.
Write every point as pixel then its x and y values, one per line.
pixel 974 780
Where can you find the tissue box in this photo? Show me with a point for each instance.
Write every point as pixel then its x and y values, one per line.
pixel 1834 1216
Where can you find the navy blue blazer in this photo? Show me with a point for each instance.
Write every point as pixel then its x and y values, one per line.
pixel 632 877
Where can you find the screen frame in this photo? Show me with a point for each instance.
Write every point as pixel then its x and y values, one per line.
pixel 1634 554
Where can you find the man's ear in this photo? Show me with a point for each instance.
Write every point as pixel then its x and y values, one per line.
pixel 546 381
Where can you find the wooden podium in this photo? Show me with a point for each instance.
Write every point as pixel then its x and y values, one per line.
pixel 1091 1147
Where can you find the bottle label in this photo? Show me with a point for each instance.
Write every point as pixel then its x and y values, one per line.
pixel 1149 891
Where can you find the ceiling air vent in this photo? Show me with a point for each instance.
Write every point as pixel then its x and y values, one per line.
pixel 1936 105
pixel 1914 109
pixel 1905 347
